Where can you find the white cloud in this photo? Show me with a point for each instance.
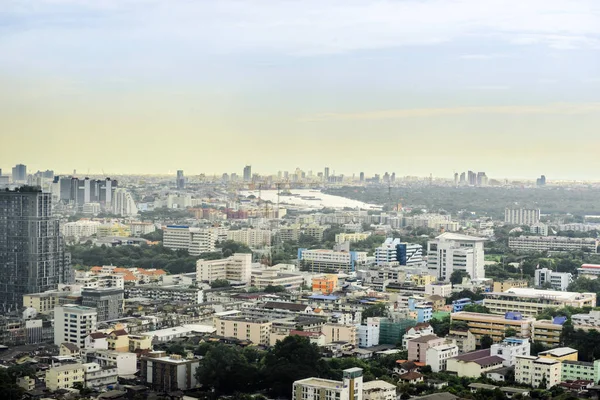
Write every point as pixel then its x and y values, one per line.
pixel 310 27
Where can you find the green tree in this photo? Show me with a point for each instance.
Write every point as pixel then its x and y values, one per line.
pixel 219 283
pixel 477 308
pixel 457 276
pixel 486 341
pixel 274 289
pixel 510 332
pixel 375 310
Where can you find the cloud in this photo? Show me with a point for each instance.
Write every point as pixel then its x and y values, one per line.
pixel 491 56
pixel 563 108
pixel 308 27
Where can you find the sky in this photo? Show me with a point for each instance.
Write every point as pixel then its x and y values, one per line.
pixel 418 87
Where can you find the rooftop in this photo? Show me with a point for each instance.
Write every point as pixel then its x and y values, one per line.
pixel 558 352
pixel 424 339
pixel 378 385
pixel 321 383
pixel 457 236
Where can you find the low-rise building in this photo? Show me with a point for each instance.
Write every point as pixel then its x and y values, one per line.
pixel 510 348
pixel 341 333
pixel 546 332
pixel 437 356
pixel 64 376
pixel 443 289
pixel 379 390
pixel 126 363
pixel 236 268
pixel 326 284
pixel 474 364
pixel 350 388
pixel 560 354
pixel 495 326
pixel 99 377
pixel 368 334
pixel 556 280
pixel 323 260
pixel 531 302
pixel 503 286
pixel 167 293
pixel 417 347
pixel 587 321
pixel 552 244
pixel 580 370
pixel 169 373
pixel 421 329
pixel 463 339
pixel 537 371
pixel 255 330
pixel 262 278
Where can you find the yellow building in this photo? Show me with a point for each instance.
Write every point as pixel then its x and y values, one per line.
pixel 531 370
pixel 69 349
pixel 545 332
pixel 340 333
pixel 118 340
pixel 115 229
pixel 325 284
pixel 560 354
pixel 422 280
pixel 64 376
pixel 139 342
pixel 44 302
pixel 509 284
pixel 255 330
pixel 493 325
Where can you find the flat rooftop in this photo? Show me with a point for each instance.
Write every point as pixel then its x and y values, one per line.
pixel 319 382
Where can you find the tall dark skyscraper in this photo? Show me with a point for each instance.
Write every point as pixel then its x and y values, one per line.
pixel 19 173
pixel 247 173
pixel 32 251
pixel 180 179
pixel 362 176
pixel 326 175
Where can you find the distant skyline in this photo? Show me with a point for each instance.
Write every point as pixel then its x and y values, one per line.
pixel 414 87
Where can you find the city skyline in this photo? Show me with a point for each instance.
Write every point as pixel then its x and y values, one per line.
pixel 428 87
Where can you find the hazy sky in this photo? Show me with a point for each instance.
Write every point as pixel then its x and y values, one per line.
pixel 511 87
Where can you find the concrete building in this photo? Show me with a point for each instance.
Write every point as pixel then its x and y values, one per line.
pixel 255 238
pixel 32 250
pixel 510 348
pixel 556 280
pixel 437 356
pixel 350 388
pixel 533 371
pixel 560 354
pixel 315 231
pixel 521 216
pixel 341 333
pixel 126 363
pixel 590 271
pixel 255 330
pixel 539 229
pixel 168 293
pixel 261 278
pixel 108 302
pixel 438 288
pixel 578 370
pixel 495 326
pixel 195 240
pixel 473 364
pixel 351 237
pixel 587 321
pixel 379 390
pixel 325 284
pixel 64 376
pixel 552 244
pixel 123 203
pixel 322 260
pixel 417 347
pixel 546 332
pixel 450 252
pixel 237 268
pixel 73 323
pixel 464 340
pixel 530 302
pixel 393 250
pixel 79 229
pixel 368 334
pixel 97 377
pixel 503 286
pixel 169 373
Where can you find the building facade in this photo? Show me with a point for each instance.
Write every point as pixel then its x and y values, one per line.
pixel 237 268
pixel 73 323
pixel 450 252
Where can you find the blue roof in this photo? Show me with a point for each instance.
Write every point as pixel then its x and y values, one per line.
pixel 178 226
pixel 323 297
pixel 559 320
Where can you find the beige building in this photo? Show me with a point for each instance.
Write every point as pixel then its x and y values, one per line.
pixel 45 302
pixel 236 268
pixel 350 388
pixel 422 280
pixel 503 286
pixel 351 237
pixel 169 373
pixel 261 278
pixel 474 364
pixel 530 302
pixel 251 237
pixel 139 342
pixel 340 333
pixel 255 330
pixel 493 325
pixel 379 390
pixel 545 332
pixel 64 376
pixel 417 347
pixel 464 340
pixel 531 370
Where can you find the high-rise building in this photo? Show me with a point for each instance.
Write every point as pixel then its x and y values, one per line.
pixel 541 181
pixel 78 192
pixel 522 216
pixel 108 302
pixel 180 180
pixel 19 173
pixel 463 179
pixel 32 252
pixel 456 179
pixel 472 177
pixel 482 179
pixel 450 252
pixel 326 174
pixel 123 203
pixel 247 173
pixel 393 250
pixel 362 177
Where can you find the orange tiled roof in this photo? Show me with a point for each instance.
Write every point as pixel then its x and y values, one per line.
pixel 96 269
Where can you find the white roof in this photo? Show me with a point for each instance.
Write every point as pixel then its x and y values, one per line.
pixel 377 384
pixel 181 330
pixel 559 295
pixel 458 236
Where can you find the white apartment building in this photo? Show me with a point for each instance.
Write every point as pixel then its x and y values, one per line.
pixel 368 334
pixel 195 240
pixel 251 237
pixel 521 216
pixel 557 244
pixel 138 228
pixel 558 280
pixel 438 288
pixel 393 250
pixel 351 237
pixel 79 229
pixel 437 356
pixel 123 203
pixel 261 278
pixel 587 321
pixel 98 377
pixel 451 251
pixel 531 370
pixel 540 229
pixel 509 349
pixel 124 362
pixel 379 390
pixel 236 268
pixel 322 260
pixel 350 388
pixel 73 323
